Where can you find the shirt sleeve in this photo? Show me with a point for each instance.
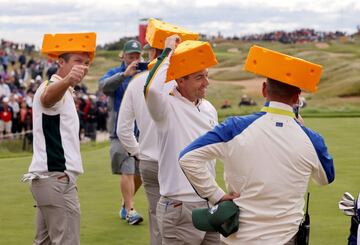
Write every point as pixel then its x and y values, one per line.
pixel 53 110
pixel 111 81
pixel 323 173
pixel 125 123
pixel 154 87
pixel 193 161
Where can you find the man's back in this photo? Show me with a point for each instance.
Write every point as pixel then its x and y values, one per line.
pixel 268 159
pixel 273 152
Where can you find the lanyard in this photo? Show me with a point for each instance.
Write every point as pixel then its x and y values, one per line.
pixel 278 111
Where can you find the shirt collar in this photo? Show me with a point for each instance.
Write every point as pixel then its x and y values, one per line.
pixel 279 105
pixel 278 108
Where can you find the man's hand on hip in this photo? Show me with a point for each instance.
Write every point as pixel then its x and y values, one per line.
pixel 230 196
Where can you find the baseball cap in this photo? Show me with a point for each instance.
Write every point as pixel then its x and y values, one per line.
pixel 147 47
pixel 132 46
pixel 223 218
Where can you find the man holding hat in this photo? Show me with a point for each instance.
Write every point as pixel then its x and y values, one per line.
pixel 113 84
pixel 268 156
pixel 180 116
pixel 134 108
pixel 56 161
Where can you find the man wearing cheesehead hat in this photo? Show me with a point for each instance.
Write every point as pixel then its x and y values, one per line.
pixel 180 116
pixel 56 161
pixel 268 156
pixel 113 84
pixel 133 107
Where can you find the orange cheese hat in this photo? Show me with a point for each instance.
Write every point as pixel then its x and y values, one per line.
pixel 189 57
pixel 55 45
pixel 157 31
pixel 284 68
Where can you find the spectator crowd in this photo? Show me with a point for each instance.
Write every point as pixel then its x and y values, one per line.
pixel 21 73
pixel 300 35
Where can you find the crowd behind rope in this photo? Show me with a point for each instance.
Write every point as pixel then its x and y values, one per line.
pixel 297 36
pixel 20 76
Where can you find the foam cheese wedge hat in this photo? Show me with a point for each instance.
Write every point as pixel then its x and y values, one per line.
pixel 189 57
pixel 55 45
pixel 284 68
pixel 157 31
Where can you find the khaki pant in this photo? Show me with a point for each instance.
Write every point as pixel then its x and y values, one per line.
pixel 149 177
pixel 175 224
pixel 58 210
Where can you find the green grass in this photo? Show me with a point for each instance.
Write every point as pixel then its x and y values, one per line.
pixel 99 193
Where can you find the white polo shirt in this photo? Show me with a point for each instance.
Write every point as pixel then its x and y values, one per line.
pixel 178 122
pixel 56 134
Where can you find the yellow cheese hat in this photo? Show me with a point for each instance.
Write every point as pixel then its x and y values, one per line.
pixel 55 45
pixel 157 31
pixel 284 68
pixel 189 57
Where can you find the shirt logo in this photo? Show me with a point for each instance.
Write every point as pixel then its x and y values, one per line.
pixel 279 124
pixel 213 209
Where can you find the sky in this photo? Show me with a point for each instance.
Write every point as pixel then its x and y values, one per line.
pixel 27 20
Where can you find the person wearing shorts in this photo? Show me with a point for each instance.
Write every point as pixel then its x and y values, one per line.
pixel 113 84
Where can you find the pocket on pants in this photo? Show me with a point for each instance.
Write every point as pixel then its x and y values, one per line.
pixel 170 216
pixel 48 192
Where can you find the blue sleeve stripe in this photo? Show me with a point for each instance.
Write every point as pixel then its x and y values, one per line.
pixel 322 153
pixel 224 132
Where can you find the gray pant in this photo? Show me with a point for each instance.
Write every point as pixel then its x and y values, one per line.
pixel 149 177
pixel 176 227
pixel 58 210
